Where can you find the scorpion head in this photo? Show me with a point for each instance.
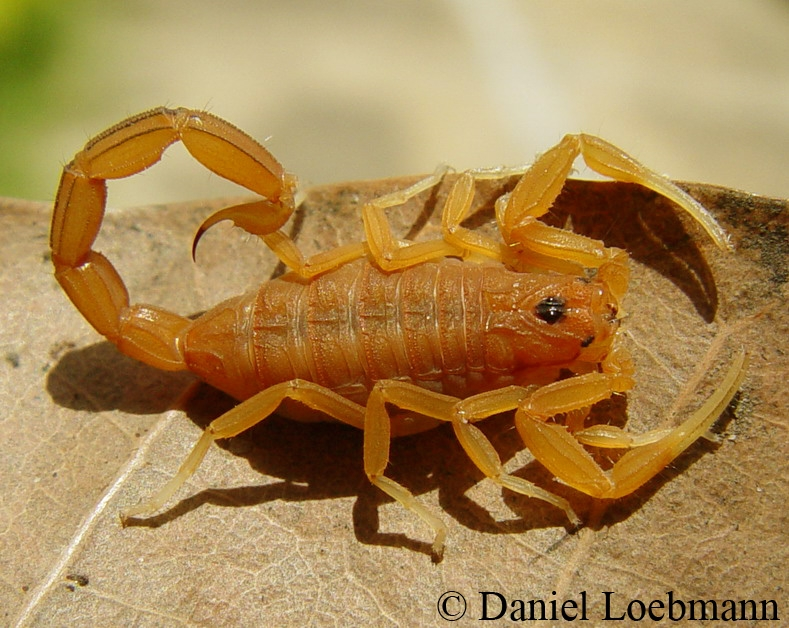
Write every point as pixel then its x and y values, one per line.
pixel 556 320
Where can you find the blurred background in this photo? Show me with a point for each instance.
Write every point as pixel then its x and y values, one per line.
pixel 346 90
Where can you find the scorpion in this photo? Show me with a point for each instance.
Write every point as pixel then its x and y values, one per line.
pixel 452 330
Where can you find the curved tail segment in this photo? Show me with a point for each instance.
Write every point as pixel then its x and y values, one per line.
pixel 148 333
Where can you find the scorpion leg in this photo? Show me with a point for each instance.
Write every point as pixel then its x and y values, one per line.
pixel 391 253
pixel 288 253
pixel 461 414
pixel 388 252
pixel 564 456
pixel 535 193
pixel 145 332
pixel 377 437
pixel 244 416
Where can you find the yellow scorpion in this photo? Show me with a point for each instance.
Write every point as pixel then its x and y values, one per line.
pixel 449 331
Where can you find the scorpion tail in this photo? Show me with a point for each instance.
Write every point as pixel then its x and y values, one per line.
pixel 148 333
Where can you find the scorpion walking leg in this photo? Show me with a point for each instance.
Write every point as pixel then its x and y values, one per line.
pixel 377 437
pixel 389 252
pixel 244 416
pixel 564 456
pixel 535 193
pixel 393 254
pixel 461 413
pixel 517 213
pixel 289 254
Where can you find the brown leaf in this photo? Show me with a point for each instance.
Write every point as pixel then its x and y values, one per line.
pixel 280 527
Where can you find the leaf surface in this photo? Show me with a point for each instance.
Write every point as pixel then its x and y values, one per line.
pixel 280 526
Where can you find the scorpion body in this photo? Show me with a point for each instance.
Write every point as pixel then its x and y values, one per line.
pixel 448 331
pixel 450 327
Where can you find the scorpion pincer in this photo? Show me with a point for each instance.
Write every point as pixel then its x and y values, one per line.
pixel 449 331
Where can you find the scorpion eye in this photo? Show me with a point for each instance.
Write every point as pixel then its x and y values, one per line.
pixel 550 309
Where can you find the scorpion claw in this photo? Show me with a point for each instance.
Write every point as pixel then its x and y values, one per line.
pixel 258 218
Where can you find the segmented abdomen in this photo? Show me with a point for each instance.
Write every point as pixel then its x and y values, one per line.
pixel 355 325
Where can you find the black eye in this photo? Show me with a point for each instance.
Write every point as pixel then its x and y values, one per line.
pixel 550 309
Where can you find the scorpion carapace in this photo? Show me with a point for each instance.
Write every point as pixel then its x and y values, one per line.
pixel 452 330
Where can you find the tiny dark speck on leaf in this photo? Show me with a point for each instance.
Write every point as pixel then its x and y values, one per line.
pixel 78 579
pixel 13 359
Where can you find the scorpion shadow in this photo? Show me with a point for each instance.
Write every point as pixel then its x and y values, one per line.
pixel 649 227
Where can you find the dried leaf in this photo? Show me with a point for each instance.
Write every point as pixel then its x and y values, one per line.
pixel 280 526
